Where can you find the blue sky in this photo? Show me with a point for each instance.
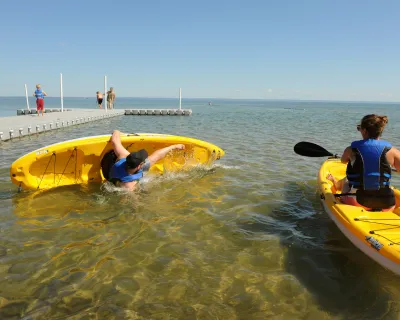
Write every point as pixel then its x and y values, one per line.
pixel 330 50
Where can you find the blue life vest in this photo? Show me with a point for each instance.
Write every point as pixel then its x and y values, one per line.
pixel 39 94
pixel 118 172
pixel 371 169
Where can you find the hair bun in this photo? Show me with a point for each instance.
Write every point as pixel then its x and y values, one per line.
pixel 384 119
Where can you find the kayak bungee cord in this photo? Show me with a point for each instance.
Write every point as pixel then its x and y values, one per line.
pixel 381 223
pixel 65 168
pixel 41 179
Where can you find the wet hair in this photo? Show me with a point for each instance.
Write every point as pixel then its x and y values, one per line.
pixel 374 125
pixel 98 92
pixel 134 159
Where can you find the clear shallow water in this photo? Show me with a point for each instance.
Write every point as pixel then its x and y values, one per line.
pixel 247 239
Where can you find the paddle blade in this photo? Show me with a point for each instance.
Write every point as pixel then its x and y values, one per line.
pixel 309 149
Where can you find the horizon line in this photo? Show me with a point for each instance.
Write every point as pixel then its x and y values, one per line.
pixel 215 98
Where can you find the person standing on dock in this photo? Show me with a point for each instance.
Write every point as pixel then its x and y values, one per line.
pixel 99 99
pixel 110 98
pixel 39 94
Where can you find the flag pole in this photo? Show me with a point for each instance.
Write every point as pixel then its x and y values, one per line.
pixel 27 100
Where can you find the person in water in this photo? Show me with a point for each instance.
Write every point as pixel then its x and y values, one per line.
pixel 125 169
pixel 39 94
pixel 99 97
pixel 369 163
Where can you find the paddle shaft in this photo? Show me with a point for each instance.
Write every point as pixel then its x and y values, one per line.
pixel 309 149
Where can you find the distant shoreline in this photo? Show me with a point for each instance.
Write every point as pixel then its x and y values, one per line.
pixel 222 99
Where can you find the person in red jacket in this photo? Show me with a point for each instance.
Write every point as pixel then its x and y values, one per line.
pixel 39 94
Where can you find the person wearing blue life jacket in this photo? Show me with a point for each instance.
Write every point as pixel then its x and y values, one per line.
pixel 124 168
pixel 39 94
pixel 369 162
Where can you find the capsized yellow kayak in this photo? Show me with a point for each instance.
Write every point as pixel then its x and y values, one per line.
pixel 377 234
pixel 78 161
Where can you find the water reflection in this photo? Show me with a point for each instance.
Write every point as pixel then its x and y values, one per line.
pixel 320 259
pixel 89 251
pixel 247 241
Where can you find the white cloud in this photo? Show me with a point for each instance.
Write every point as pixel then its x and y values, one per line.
pixel 386 94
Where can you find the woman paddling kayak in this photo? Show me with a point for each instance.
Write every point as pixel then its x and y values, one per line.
pixel 369 163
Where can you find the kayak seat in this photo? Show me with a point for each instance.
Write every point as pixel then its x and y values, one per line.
pixel 376 200
pixel 107 162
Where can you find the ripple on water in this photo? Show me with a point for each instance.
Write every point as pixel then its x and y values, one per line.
pixel 245 239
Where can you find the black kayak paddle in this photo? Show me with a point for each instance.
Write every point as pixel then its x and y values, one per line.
pixel 310 149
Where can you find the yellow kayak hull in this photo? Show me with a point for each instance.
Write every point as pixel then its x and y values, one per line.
pixel 78 161
pixel 377 234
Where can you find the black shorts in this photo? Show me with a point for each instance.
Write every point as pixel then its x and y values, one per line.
pixel 100 101
pixel 107 162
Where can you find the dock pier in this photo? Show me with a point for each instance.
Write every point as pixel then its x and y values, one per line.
pixel 28 124
pixel 28 121
pixel 158 112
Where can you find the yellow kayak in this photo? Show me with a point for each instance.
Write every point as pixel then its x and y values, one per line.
pixel 377 234
pixel 78 161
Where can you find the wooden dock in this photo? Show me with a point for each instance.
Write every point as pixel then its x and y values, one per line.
pixel 28 124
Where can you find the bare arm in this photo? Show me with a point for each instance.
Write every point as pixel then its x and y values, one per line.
pixel 119 149
pixel 346 155
pixel 396 158
pixel 128 185
pixel 161 153
pixel 44 93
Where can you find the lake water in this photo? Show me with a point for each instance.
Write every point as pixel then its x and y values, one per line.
pixel 248 239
